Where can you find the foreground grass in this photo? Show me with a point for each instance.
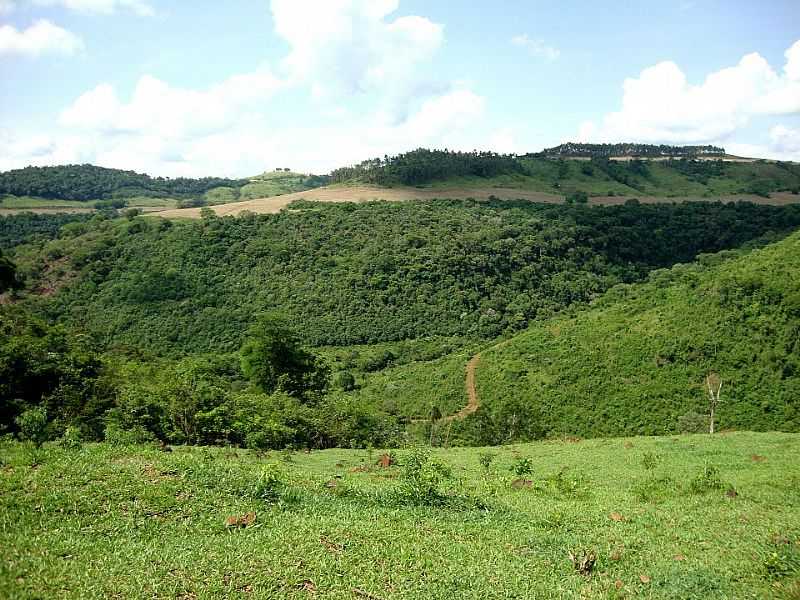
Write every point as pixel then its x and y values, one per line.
pixel 108 522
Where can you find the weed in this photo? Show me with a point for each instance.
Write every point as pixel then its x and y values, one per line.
pixel 655 489
pixel 269 485
pixel 423 477
pixel 486 459
pixel 707 480
pixel 650 460
pixel 522 466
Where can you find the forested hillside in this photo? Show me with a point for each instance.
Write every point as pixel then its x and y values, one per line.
pixel 354 274
pixel 636 361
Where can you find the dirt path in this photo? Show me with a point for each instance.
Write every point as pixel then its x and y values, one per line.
pixel 472 392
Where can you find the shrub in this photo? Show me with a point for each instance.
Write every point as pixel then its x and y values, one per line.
pixel 32 425
pixel 71 439
pixel 650 460
pixel 486 459
pixel 119 436
pixel 706 481
pixel 692 422
pixel 522 466
pixel 269 485
pixel 344 381
pixel 423 476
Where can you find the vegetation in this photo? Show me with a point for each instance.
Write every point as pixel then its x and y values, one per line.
pixel 574 150
pixel 27 227
pixel 88 182
pixel 355 274
pixel 143 522
pixel 423 166
pixel 639 359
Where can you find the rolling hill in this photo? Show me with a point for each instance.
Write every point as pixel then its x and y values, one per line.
pixel 637 358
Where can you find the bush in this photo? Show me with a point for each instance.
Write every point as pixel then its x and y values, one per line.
pixel 693 422
pixel 119 436
pixel 423 476
pixel 486 459
pixel 522 466
pixel 269 485
pixel 32 425
pixel 706 481
pixel 71 439
pixel 344 381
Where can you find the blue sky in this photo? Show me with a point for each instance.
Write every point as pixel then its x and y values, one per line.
pixel 235 88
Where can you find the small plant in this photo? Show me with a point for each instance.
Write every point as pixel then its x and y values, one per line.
pixel 654 489
pixel 782 560
pixel 72 439
pixel 706 481
pixel 522 466
pixel 650 460
pixel 486 459
pixel 583 561
pixel 116 435
pixel 269 485
pixel 33 425
pixel 423 476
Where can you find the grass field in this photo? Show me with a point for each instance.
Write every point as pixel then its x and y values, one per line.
pixel 672 517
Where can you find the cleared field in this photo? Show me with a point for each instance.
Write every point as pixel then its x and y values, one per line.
pixel 402 194
pixel 698 516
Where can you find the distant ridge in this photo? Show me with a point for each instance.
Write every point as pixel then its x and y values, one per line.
pixel 579 150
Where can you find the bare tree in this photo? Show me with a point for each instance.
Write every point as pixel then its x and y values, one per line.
pixel 714 386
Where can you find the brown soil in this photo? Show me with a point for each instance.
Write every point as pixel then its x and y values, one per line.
pixel 364 193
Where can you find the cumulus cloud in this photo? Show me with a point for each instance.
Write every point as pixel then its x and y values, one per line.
pixel 158 108
pixel 660 105
pixel 43 37
pixel 138 7
pixel 352 46
pixel 339 50
pixel 536 47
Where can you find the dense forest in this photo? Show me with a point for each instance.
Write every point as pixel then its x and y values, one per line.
pixel 28 226
pixel 88 182
pixel 424 166
pixel 355 274
pixel 580 150
pixel 636 362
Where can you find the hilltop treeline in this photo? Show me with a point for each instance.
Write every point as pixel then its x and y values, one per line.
pixel 355 274
pixel 423 166
pixel 579 150
pixel 88 182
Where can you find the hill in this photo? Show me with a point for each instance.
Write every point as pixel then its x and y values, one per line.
pixel 366 273
pixel 710 517
pixel 582 150
pixel 74 187
pixel 636 360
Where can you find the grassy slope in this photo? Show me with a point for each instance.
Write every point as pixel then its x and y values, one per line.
pixel 664 181
pixel 274 184
pixel 134 522
pixel 636 361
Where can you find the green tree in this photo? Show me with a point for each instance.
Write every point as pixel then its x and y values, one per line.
pixel 273 358
pixel 8 275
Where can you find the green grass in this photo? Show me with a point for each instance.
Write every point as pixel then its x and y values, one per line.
pixel 103 521
pixel 663 180
pixel 274 184
pixel 30 202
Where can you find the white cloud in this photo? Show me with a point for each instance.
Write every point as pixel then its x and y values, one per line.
pixel 345 53
pixel 536 47
pixel 40 38
pixel 138 7
pixel 662 106
pixel 157 108
pixel 349 46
